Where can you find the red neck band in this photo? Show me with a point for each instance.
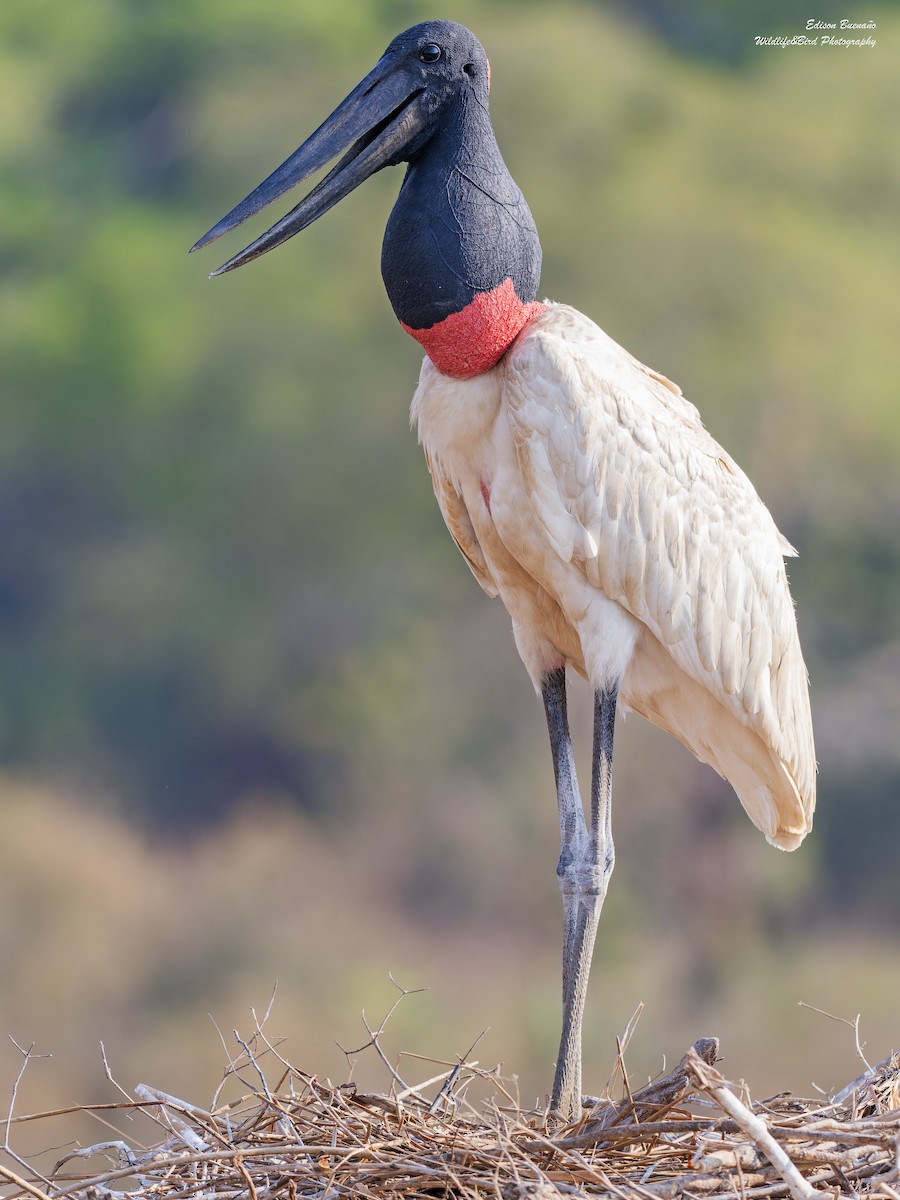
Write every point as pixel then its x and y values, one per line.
pixel 470 342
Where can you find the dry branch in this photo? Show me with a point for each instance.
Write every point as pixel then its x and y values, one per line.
pixel 752 1125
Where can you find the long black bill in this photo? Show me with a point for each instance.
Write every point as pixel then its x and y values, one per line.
pixel 377 121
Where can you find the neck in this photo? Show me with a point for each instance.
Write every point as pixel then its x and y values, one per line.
pixel 461 256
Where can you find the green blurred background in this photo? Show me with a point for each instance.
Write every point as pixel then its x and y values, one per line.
pixel 257 721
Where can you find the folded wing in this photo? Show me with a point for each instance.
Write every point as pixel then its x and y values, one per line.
pixel 627 485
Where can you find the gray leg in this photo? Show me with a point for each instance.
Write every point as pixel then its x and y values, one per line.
pixel 585 865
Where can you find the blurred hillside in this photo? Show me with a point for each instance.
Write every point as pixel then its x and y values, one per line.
pixel 225 588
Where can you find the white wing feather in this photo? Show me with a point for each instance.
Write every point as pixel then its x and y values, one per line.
pixel 457 519
pixel 628 486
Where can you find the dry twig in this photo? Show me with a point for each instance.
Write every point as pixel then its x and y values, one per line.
pixel 300 1138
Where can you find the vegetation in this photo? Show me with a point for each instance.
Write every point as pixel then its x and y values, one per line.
pixel 277 728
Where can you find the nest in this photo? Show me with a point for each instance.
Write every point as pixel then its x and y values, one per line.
pixel 687 1133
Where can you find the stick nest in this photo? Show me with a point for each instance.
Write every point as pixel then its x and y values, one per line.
pixel 687 1133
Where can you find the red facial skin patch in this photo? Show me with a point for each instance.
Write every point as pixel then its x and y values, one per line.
pixel 470 342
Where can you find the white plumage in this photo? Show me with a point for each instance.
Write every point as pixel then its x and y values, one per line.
pixel 582 488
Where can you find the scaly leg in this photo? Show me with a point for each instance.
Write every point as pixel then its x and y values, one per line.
pixel 585 865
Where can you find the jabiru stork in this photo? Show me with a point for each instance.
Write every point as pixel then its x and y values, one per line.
pixel 580 485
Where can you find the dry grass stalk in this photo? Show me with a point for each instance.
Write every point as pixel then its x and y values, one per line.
pixel 684 1134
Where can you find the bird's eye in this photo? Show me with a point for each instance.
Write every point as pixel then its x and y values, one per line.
pixel 430 53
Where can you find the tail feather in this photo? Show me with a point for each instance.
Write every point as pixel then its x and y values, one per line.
pixel 765 785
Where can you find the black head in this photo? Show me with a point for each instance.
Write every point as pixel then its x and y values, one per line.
pixel 443 57
pixel 388 118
